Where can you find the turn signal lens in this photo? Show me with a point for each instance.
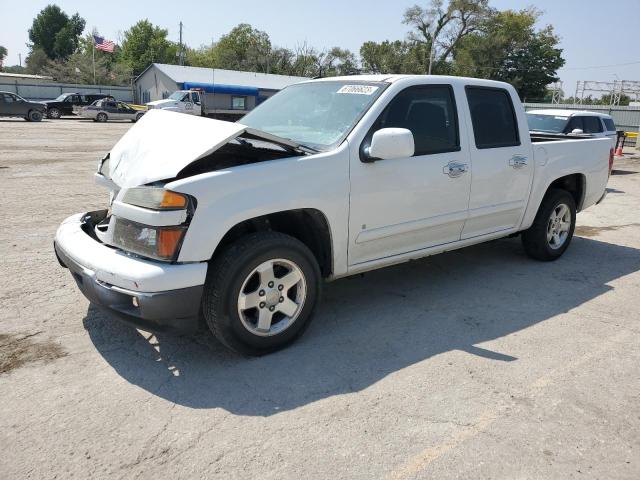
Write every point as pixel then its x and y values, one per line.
pixel 173 200
pixel 155 198
pixel 168 241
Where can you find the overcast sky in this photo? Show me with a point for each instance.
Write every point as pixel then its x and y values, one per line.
pixel 598 36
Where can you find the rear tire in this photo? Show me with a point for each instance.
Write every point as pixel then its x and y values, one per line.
pixel 138 117
pixel 251 285
pixel 552 229
pixel 102 117
pixel 35 116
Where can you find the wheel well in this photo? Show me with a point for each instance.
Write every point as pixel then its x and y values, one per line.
pixel 574 184
pixel 307 225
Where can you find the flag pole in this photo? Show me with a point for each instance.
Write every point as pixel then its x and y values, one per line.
pixel 93 56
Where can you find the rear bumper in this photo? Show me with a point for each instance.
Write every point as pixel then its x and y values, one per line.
pixel 130 288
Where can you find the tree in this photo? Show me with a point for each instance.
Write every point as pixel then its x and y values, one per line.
pixel 145 43
pixel 392 57
pixel 3 55
pixel 244 48
pixel 36 60
pixel 79 67
pixel 507 47
pixel 439 28
pixel 55 33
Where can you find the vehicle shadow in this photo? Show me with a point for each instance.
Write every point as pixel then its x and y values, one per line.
pixel 371 326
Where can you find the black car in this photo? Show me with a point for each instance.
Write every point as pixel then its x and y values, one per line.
pixel 63 105
pixel 12 105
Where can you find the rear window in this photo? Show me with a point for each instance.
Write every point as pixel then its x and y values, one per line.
pixel 592 125
pixel 610 124
pixel 493 117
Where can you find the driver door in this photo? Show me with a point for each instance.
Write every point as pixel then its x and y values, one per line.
pixel 413 203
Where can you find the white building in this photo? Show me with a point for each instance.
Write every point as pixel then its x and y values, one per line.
pixel 234 91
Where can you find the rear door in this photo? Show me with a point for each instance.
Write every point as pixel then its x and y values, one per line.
pixel 502 163
pixel 412 203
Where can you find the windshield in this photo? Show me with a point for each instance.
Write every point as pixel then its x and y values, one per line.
pixel 61 97
pixel 317 114
pixel 177 96
pixel 547 123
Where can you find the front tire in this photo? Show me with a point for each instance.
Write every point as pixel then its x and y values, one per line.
pixel 261 293
pixel 54 113
pixel 552 230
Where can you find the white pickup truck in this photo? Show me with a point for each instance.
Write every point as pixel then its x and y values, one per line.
pixel 182 101
pixel 235 225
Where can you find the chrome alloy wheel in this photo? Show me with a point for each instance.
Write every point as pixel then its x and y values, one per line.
pixel 271 297
pixel 559 226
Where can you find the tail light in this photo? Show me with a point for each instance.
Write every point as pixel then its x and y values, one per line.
pixel 610 160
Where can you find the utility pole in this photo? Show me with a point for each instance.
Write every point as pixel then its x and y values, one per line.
pixel 20 59
pixel 181 52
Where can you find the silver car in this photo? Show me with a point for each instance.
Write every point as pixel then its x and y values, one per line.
pixel 104 110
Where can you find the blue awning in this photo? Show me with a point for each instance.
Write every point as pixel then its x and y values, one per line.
pixel 221 88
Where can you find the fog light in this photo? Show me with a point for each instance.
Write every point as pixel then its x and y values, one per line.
pixel 134 300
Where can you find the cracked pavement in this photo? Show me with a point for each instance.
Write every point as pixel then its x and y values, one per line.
pixel 479 363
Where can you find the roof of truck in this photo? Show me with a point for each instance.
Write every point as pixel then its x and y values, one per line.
pixel 391 78
pixel 568 113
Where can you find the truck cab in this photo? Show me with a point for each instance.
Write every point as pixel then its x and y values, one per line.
pixel 182 101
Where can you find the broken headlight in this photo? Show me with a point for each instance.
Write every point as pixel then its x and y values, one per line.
pixel 160 243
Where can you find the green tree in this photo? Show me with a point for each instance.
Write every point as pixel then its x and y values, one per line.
pixel 243 48
pixel 392 57
pixel 3 55
pixel 55 33
pixel 508 47
pixel 36 60
pixel 145 43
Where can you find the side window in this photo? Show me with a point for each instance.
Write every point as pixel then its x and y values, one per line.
pixel 575 122
pixel 238 103
pixel 592 125
pixel 610 124
pixel 196 97
pixel 8 98
pixel 430 113
pixel 493 117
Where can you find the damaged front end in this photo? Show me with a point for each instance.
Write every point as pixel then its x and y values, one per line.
pixel 144 218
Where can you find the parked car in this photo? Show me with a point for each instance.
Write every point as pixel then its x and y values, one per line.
pixel 103 110
pixel 12 105
pixel 241 222
pixel 63 105
pixel 571 122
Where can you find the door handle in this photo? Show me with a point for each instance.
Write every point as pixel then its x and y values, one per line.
pixel 454 169
pixel 518 161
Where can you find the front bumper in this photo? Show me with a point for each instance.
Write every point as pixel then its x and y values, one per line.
pixel 150 295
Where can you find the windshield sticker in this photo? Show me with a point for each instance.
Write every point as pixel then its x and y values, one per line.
pixel 358 89
pixel 560 118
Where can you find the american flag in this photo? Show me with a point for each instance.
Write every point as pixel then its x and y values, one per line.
pixel 103 44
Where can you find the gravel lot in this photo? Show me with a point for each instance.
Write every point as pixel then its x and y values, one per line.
pixel 479 363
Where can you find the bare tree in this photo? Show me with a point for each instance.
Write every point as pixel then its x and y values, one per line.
pixel 439 27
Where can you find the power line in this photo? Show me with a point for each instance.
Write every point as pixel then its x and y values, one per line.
pixel 600 66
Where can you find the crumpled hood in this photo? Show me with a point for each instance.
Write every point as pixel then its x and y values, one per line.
pixel 162 143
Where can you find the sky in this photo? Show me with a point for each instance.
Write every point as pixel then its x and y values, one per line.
pixel 597 36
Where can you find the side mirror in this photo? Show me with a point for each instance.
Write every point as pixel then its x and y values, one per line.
pixel 577 131
pixel 390 143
